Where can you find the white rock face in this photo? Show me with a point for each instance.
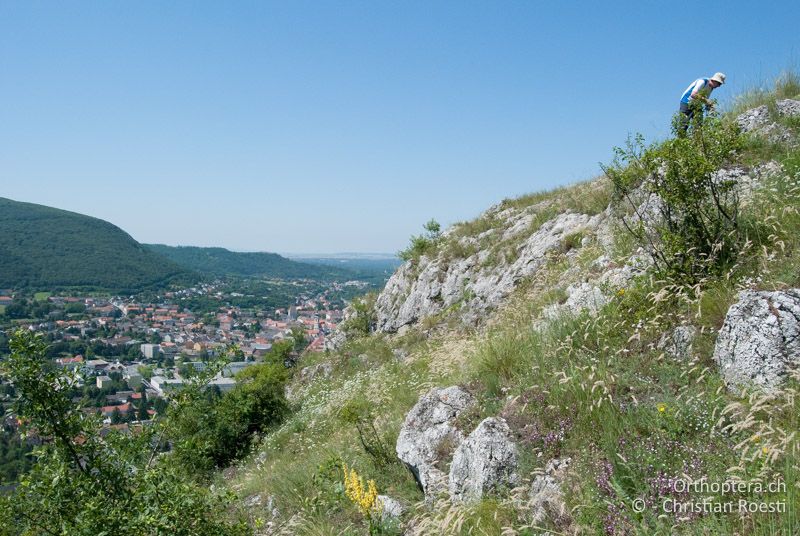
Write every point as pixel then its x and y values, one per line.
pixel 485 460
pixel 428 430
pixel 416 292
pixel 335 340
pixel 760 340
pixel 580 297
pixel 546 496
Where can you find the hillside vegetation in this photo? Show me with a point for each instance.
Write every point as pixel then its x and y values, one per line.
pixel 586 344
pixel 46 248
pixel 616 357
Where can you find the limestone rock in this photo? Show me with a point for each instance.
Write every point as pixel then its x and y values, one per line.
pixel 678 342
pixel 754 119
pixel 546 497
pixel 580 297
pixel 425 287
pixel 485 460
pixel 758 121
pixel 400 354
pixel 788 107
pixel 760 340
pixel 323 370
pixel 390 508
pixel 429 431
pixel 335 340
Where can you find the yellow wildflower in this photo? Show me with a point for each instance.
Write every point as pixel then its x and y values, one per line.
pixel 662 407
pixel 764 450
pixel 364 497
pixel 621 292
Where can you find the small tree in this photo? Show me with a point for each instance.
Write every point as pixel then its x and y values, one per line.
pixel 424 243
pixel 684 213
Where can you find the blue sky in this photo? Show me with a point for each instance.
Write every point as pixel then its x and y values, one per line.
pixel 343 126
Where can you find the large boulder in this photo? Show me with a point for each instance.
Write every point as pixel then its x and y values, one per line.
pixel 429 433
pixel 760 340
pixel 485 460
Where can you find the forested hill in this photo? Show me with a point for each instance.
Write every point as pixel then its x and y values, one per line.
pixel 220 261
pixel 45 247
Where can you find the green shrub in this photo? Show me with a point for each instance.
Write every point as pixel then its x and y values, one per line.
pixel 422 244
pixel 209 431
pixel 83 483
pixel 693 230
pixel 358 412
pixel 361 323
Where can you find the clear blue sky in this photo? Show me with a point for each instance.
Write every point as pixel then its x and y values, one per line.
pixel 343 126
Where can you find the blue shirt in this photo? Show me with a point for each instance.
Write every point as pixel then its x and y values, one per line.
pixel 701 86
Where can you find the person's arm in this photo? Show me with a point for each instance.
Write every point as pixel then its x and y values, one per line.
pixel 699 96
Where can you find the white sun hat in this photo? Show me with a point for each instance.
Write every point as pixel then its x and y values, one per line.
pixel 719 77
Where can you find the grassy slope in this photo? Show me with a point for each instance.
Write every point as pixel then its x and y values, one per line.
pixel 220 261
pixel 44 247
pixel 595 389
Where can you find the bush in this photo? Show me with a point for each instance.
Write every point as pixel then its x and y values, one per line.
pixel 691 226
pixel 83 483
pixel 361 322
pixel 422 244
pixel 210 431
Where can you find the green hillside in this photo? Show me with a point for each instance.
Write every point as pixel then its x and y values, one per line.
pixel 220 261
pixel 44 247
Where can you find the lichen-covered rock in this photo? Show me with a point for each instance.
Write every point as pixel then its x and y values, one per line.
pixel 585 296
pixel 400 354
pixel 335 340
pixel 678 342
pixel 484 461
pixel 760 340
pixel 429 433
pixel 546 497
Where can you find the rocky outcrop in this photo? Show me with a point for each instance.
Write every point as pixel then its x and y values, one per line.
pixel 759 121
pixel 580 297
pixel 486 460
pixel 425 287
pixel 429 434
pixel 335 340
pixel 546 496
pixel 760 340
